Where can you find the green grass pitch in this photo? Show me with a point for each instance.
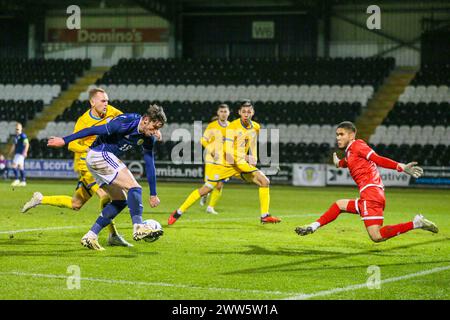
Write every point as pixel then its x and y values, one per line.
pixel 228 256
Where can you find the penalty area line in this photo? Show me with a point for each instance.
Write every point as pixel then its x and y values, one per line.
pixel 142 283
pixel 364 285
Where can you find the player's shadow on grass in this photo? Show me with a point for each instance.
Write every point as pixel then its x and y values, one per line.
pixel 323 256
pixel 258 250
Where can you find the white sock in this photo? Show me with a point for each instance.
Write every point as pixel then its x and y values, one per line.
pixel 179 211
pixel 417 224
pixel 91 234
pixel 315 225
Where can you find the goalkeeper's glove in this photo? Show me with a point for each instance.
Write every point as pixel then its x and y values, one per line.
pixel 410 168
pixel 336 160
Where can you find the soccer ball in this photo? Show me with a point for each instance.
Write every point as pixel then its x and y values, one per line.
pixel 155 225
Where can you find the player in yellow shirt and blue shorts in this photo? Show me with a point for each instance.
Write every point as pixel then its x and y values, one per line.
pixel 235 157
pixel 100 113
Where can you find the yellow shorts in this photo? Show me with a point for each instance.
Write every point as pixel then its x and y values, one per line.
pixel 216 172
pixel 86 186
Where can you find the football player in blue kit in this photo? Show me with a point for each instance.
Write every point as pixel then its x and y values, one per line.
pixel 20 150
pixel 118 136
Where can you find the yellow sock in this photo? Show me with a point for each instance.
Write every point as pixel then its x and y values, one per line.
pixel 58 201
pixel 112 228
pixel 194 196
pixel 215 196
pixel 264 199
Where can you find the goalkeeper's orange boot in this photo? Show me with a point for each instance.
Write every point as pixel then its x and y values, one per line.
pixel 270 219
pixel 173 217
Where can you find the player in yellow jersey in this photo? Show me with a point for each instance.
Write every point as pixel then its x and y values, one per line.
pixel 239 157
pixel 216 128
pixel 99 113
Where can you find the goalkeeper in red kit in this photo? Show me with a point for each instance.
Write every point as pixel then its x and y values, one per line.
pixel 362 163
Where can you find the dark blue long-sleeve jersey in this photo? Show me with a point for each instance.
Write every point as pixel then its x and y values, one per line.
pixel 120 135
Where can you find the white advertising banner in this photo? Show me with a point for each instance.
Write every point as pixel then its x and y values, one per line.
pixel 308 174
pixel 342 177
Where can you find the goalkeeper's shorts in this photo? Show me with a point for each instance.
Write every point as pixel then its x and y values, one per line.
pixel 370 206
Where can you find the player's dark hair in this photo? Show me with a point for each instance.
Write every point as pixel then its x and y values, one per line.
pixel 347 125
pixel 156 113
pixel 223 106
pixel 245 103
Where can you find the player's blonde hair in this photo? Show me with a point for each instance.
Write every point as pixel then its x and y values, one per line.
pixel 94 91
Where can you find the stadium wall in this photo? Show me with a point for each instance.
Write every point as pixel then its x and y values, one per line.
pixel 298 174
pixel 106 35
pixel 401 21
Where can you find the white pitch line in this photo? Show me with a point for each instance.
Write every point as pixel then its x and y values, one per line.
pixel 42 229
pixel 143 283
pixel 364 285
pixel 124 225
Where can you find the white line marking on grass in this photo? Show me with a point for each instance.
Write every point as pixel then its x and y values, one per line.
pixel 125 225
pixel 43 229
pixel 364 285
pixel 143 283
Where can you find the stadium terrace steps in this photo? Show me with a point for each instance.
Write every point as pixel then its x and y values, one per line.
pixel 383 101
pixel 64 101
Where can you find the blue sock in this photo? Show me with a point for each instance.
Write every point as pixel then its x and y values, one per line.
pixel 135 204
pixel 22 175
pixel 108 213
pixel 100 224
pixel 16 173
pixel 113 208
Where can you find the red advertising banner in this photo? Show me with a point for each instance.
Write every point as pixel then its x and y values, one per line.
pixel 125 35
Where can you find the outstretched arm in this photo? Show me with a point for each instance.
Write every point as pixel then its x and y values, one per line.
pixel 410 168
pixel 58 142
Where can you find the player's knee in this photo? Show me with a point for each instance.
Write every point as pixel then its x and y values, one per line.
pixel 132 186
pixel 342 204
pixel 205 189
pixel 264 182
pixel 376 237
